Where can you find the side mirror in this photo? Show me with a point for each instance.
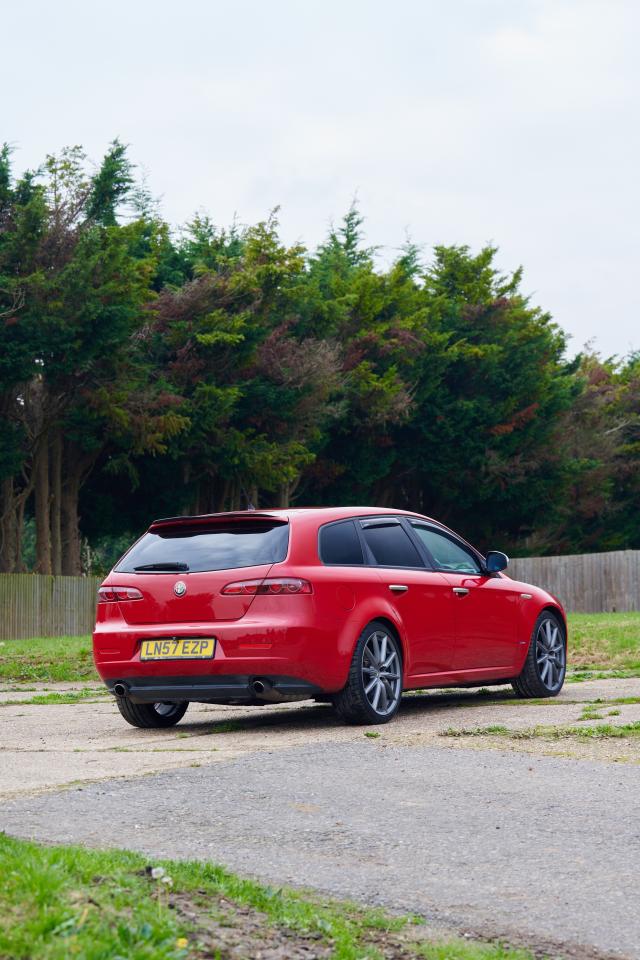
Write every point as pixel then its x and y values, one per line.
pixel 496 561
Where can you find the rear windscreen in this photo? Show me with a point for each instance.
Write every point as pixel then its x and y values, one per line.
pixel 197 549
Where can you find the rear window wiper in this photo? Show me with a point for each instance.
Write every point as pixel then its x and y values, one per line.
pixel 168 565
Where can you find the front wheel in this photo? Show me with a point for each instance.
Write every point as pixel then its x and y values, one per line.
pixel 546 664
pixel 374 686
pixel 149 715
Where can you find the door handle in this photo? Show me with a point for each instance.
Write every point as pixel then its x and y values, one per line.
pixel 461 591
pixel 398 588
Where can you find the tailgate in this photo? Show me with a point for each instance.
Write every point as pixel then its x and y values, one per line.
pixel 180 566
pixel 202 600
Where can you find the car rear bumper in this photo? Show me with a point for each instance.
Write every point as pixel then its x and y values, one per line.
pixel 229 688
pixel 314 653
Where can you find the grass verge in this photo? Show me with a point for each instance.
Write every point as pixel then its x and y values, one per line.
pixel 603 645
pixel 43 659
pixel 61 902
pixel 60 697
pixel 600 731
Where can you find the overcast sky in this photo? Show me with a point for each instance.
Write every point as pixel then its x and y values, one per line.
pixel 457 121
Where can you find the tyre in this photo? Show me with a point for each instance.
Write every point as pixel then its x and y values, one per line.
pixel 374 686
pixel 546 664
pixel 151 714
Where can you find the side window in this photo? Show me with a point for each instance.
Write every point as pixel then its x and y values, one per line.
pixel 391 546
pixel 339 544
pixel 449 556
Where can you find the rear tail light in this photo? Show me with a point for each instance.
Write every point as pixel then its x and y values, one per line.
pixel 114 594
pixel 272 587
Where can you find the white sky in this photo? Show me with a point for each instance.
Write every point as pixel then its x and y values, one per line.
pixel 460 121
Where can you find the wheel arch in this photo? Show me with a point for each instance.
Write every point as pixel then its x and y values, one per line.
pixel 529 617
pixel 559 612
pixel 393 628
pixel 529 682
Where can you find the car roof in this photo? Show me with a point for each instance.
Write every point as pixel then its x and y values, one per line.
pixel 322 514
pixel 304 516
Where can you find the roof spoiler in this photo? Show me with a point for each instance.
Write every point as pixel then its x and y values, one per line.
pixel 212 519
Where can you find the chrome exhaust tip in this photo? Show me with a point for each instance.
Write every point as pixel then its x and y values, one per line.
pixel 120 690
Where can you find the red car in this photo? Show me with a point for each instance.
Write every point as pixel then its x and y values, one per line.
pixel 347 604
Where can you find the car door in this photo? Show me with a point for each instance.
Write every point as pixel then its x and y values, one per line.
pixel 485 605
pixel 422 597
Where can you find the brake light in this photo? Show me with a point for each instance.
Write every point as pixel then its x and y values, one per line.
pixel 272 587
pixel 114 594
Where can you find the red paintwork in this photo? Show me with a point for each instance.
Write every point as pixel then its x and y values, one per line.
pixel 446 639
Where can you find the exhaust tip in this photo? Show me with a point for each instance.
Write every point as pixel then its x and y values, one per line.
pixel 120 690
pixel 259 686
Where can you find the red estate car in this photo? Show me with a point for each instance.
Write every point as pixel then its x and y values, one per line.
pixel 347 604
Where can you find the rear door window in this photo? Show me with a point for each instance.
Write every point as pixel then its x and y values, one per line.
pixel 339 544
pixel 390 544
pixel 207 548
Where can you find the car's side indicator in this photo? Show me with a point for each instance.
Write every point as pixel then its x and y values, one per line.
pixel 526 596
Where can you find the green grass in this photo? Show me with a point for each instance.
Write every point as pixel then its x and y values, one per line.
pixel 580 674
pixel 600 731
pixel 494 730
pixel 62 902
pixel 608 701
pixel 604 645
pixel 56 697
pixel 591 712
pixel 49 659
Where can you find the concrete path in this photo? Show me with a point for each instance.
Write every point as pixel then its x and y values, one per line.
pixel 48 746
pixel 543 850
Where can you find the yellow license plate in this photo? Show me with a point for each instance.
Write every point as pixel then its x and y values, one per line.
pixel 178 648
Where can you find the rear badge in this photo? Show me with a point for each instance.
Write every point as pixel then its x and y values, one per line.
pixel 180 588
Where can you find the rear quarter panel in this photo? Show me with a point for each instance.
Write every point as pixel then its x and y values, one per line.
pixel 345 600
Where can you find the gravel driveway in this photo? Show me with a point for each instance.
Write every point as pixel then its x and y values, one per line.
pixel 543 850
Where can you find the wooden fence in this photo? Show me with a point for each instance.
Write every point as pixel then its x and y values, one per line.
pixel 32 605
pixel 586 582
pixel 38 606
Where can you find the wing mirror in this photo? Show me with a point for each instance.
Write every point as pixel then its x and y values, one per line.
pixel 496 561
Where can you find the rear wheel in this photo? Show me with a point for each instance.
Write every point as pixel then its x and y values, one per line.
pixel 163 714
pixel 374 686
pixel 546 664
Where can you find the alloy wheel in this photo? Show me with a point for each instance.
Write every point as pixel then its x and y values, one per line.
pixel 550 654
pixel 381 674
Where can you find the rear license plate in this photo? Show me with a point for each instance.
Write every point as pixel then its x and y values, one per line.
pixel 178 648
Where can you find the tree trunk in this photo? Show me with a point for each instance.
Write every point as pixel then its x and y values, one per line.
pixel 19 566
pixel 8 526
pixel 56 502
pixel 222 500
pixel 284 495
pixel 69 525
pixel 42 506
pixel 76 467
pixel 206 495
